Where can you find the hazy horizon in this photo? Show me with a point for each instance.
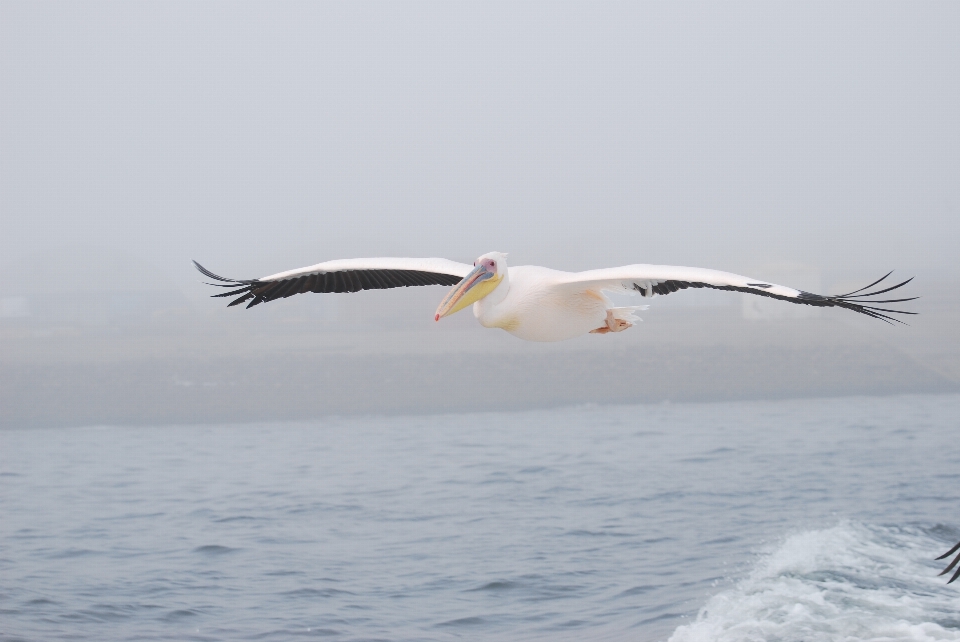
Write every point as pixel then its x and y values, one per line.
pixel 813 144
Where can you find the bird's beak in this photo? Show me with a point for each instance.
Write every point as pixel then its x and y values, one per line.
pixel 476 285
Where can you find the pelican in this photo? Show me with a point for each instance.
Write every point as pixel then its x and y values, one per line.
pixel 531 302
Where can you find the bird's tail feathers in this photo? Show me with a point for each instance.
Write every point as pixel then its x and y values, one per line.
pixel 627 313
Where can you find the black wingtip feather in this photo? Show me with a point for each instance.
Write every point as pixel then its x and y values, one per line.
pixel 870 307
pixel 231 293
pixel 216 277
pixel 893 287
pixel 239 300
pixel 207 273
pixel 880 280
pixel 950 566
pixel 950 552
pixel 956 559
pixel 854 301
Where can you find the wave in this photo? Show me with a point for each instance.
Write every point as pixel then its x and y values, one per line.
pixel 851 582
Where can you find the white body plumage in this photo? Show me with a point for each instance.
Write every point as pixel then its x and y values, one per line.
pixel 530 303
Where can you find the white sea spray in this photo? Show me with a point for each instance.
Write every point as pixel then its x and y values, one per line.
pixel 850 582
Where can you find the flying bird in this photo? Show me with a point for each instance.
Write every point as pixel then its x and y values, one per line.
pixel 952 564
pixel 531 302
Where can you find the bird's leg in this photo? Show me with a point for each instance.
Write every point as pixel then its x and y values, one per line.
pixel 612 325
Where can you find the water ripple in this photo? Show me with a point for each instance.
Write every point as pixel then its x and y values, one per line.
pixel 699 521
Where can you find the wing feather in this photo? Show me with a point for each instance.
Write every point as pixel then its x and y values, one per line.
pixel 666 279
pixel 347 275
pixel 952 564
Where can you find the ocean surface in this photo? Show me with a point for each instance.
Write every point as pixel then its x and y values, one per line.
pixel 786 520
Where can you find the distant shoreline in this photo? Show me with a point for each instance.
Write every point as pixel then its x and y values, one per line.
pixel 293 387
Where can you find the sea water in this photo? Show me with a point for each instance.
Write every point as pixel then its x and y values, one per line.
pixel 786 520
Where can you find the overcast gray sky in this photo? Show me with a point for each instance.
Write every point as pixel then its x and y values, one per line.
pixel 259 137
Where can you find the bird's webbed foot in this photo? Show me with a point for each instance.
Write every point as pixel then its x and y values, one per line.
pixel 612 325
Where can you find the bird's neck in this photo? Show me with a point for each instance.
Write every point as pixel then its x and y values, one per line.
pixel 492 300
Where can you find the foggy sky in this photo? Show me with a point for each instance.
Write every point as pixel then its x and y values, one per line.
pixel 259 137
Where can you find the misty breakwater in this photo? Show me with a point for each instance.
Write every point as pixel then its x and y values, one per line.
pixel 805 519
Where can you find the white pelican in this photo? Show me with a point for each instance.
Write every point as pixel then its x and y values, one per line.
pixel 531 302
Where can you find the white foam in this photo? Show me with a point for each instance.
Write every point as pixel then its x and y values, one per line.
pixel 850 582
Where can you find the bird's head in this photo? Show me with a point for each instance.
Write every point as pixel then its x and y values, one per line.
pixel 488 272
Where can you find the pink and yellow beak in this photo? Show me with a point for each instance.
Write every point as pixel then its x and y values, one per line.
pixel 476 285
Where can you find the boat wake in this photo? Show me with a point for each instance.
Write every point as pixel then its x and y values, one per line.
pixel 851 582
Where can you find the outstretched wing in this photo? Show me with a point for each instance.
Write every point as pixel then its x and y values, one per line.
pixel 346 275
pixel 953 563
pixel 664 279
